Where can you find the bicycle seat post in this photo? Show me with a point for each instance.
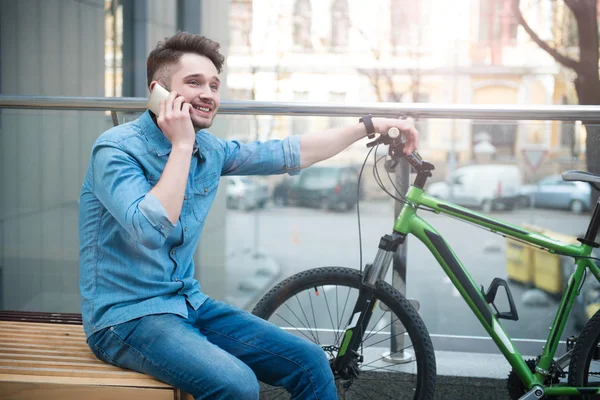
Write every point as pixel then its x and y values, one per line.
pixel 594 226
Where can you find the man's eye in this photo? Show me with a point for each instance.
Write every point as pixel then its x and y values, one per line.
pixel 194 82
pixel 214 87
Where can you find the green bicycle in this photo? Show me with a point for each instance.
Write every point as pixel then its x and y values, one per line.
pixel 353 313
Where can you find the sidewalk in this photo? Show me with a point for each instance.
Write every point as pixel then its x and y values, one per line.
pixel 250 274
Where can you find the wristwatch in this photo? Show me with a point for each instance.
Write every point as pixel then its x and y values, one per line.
pixel 369 125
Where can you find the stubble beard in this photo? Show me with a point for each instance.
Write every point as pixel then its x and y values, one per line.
pixel 198 125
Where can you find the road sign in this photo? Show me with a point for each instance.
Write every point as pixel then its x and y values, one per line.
pixel 534 157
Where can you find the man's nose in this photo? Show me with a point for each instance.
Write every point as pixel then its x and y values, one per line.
pixel 206 93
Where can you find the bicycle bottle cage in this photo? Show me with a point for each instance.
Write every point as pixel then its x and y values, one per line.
pixel 490 296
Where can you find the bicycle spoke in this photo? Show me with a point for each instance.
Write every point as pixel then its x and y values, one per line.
pixel 384 339
pixel 330 316
pixel 290 324
pixel 299 320
pixel 375 325
pixel 337 308
pixel 305 317
pixel 313 314
pixel 383 378
pixel 344 310
pixel 381 358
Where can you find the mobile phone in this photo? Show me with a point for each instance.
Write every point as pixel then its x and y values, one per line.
pixel 158 93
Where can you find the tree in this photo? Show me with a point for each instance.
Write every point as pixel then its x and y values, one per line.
pixel 407 31
pixel 587 80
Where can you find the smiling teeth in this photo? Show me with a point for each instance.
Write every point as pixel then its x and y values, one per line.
pixel 202 108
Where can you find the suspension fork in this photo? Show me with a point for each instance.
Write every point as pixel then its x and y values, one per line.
pixel 366 302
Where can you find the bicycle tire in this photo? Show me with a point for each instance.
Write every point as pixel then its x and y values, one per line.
pixel 585 348
pixel 394 301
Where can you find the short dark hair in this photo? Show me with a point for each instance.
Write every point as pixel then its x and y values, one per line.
pixel 167 53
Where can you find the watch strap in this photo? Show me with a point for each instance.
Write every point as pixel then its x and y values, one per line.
pixel 369 125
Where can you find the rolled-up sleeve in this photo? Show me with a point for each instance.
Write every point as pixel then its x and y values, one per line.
pixel 262 158
pixel 122 188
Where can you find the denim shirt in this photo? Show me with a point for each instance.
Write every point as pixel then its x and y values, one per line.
pixel 133 260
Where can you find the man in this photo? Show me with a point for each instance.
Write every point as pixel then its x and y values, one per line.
pixel 148 189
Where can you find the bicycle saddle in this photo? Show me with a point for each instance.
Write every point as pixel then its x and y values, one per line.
pixel 582 176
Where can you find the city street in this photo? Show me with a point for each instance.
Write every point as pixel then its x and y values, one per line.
pixel 303 238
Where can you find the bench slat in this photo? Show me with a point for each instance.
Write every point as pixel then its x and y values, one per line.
pixel 45 350
pixel 133 380
pixel 53 361
pixel 41 363
pixel 115 373
pixel 28 391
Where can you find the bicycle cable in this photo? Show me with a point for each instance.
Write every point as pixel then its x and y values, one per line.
pixel 380 183
pixel 358 211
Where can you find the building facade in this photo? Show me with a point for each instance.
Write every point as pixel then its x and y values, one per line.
pixel 431 51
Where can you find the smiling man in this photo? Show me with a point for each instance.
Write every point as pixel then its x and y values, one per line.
pixel 144 200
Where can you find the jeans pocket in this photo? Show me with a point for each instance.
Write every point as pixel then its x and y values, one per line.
pixel 101 343
pixel 101 354
pixel 110 346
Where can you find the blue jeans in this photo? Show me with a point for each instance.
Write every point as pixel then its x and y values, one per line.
pixel 218 352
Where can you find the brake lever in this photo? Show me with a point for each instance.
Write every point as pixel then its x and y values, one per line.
pixel 374 143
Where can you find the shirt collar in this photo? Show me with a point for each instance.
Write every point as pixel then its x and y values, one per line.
pixel 155 137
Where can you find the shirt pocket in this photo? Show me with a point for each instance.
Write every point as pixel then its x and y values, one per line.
pixel 203 194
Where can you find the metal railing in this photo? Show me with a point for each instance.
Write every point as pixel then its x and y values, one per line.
pixel 590 114
pixel 249 107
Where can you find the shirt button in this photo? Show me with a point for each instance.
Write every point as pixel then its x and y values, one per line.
pixel 185 229
pixel 185 197
pixel 205 190
pixel 176 279
pixel 173 252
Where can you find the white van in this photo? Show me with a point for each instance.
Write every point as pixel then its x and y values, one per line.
pixel 487 187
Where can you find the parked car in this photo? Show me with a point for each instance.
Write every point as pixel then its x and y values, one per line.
pixel 327 187
pixel 553 192
pixel 487 186
pixel 245 193
pixel 281 190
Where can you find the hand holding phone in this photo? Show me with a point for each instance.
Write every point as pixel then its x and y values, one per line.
pixel 176 123
pixel 158 93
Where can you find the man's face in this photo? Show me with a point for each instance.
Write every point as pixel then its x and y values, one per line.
pixel 196 79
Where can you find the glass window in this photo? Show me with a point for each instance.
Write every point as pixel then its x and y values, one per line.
pixel 240 21
pixel 496 21
pixel 302 22
pixel 340 23
pixel 408 20
pixel 113 48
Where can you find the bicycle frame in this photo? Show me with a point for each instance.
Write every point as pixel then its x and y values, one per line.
pixel 408 222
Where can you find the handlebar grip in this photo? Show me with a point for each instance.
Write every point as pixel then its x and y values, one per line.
pixel 393 132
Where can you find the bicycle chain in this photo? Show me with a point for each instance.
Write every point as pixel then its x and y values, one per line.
pixel 515 386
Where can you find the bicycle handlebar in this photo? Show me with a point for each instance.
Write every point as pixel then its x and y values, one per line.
pixel 397 140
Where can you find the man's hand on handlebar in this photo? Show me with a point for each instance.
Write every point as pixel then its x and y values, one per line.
pixel 383 125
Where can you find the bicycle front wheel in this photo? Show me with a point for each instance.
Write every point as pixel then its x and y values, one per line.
pixel 396 358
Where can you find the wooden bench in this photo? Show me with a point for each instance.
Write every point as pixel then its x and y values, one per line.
pixel 44 360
